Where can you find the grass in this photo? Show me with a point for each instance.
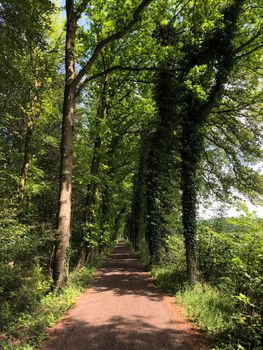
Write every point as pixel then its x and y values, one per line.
pixel 206 306
pixel 209 308
pixel 231 321
pixel 213 311
pixel 29 330
pixel 168 279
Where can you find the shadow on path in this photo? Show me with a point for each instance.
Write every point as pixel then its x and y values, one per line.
pixel 123 310
pixel 123 274
pixel 119 333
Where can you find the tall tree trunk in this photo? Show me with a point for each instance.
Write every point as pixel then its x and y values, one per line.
pixel 190 155
pixel 138 214
pixel 93 186
pixel 31 117
pixel 64 210
pixel 161 168
pixel 71 84
pixel 27 156
pixel 90 202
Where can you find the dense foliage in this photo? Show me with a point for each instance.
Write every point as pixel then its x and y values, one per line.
pixel 152 108
pixel 228 300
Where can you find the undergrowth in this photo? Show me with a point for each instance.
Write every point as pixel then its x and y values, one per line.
pixel 227 304
pixel 207 307
pixel 29 329
pixel 222 316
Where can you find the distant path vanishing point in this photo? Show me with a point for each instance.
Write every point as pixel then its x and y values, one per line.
pixel 123 310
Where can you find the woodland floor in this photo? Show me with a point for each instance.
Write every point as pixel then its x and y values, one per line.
pixel 124 310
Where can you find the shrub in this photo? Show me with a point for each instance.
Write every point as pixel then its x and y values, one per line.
pixel 24 252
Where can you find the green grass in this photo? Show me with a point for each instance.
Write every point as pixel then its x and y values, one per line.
pixel 30 329
pixel 206 306
pixel 168 279
pixel 213 311
pixel 209 308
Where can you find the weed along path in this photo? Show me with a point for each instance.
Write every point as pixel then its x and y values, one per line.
pixel 123 310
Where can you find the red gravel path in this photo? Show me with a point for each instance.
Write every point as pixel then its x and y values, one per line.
pixel 123 310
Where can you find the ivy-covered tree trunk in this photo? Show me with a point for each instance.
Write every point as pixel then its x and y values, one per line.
pixel 64 210
pixel 160 167
pixel 138 213
pixel 194 117
pixel 190 154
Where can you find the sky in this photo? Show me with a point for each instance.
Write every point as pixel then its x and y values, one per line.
pixel 233 211
pixel 229 211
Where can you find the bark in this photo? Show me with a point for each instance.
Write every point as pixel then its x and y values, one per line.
pixel 190 154
pixel 93 186
pixel 90 202
pixel 27 156
pixel 138 214
pixel 64 210
pixel 161 168
pixel 34 114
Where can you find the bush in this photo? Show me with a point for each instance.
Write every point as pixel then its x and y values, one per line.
pixel 24 252
pixel 228 302
pixel 28 330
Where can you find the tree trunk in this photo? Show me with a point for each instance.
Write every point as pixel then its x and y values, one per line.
pixel 189 192
pixel 27 156
pixel 160 169
pixel 91 198
pixel 64 210
pixel 190 156
pixel 31 117
pixel 93 186
pixel 138 213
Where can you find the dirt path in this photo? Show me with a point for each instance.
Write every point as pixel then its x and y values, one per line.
pixel 123 311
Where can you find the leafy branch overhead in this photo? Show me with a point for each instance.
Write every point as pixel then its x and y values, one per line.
pixel 132 119
pixel 136 16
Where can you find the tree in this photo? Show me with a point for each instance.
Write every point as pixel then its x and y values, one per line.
pixel 28 68
pixel 217 62
pixel 206 56
pixel 71 84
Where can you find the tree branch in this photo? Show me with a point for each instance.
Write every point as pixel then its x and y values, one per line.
pixel 125 69
pixel 118 35
pixel 81 9
pixel 250 51
pixel 249 41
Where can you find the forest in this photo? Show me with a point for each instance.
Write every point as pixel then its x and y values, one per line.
pixel 129 120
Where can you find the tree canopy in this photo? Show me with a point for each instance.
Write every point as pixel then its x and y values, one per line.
pixel 118 118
